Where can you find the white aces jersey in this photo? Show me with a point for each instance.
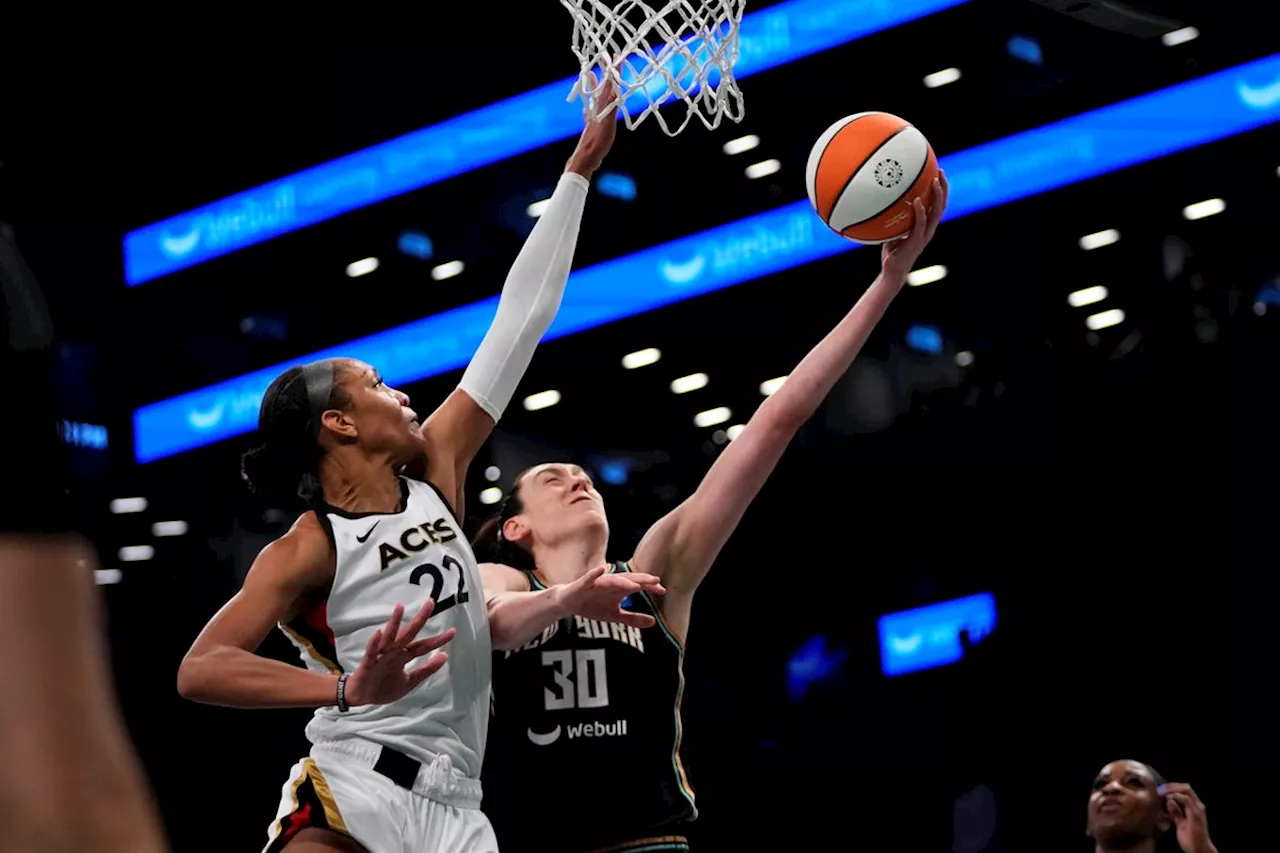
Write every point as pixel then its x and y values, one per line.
pixel 385 559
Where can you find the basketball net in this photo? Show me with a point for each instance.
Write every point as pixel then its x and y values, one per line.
pixel 680 50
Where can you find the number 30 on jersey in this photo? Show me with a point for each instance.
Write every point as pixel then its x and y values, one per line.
pixel 579 679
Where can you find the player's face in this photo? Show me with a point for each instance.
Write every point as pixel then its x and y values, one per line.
pixel 1124 803
pixel 383 419
pixel 558 498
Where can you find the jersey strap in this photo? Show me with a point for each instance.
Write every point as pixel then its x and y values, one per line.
pixel 536 584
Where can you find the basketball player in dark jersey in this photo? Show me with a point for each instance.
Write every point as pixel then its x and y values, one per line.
pixel 581 702
pixel 1132 808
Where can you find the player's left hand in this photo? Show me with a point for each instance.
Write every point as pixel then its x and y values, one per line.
pixel 898 257
pixel 1188 815
pixel 598 135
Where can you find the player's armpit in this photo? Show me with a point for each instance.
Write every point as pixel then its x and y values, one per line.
pixel 454 434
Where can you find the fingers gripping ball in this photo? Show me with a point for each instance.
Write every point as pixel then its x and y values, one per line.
pixel 863 173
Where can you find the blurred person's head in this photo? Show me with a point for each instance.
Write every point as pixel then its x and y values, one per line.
pixel 329 408
pixel 550 506
pixel 1126 812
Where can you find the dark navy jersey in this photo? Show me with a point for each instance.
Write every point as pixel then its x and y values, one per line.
pixel 584 737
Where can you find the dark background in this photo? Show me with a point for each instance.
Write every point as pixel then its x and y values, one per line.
pixel 1114 491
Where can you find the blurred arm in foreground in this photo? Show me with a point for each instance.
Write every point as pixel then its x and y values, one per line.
pixel 70 780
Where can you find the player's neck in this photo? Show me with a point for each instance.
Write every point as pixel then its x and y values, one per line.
pixel 1145 845
pixel 567 561
pixel 354 482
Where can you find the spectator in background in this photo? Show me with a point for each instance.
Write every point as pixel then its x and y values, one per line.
pixel 70 780
pixel 1132 808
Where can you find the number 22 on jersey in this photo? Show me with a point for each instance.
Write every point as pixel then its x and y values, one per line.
pixel 437 583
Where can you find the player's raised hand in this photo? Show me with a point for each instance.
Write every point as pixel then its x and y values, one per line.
pixel 1187 812
pixel 382 676
pixel 598 135
pixel 597 595
pixel 899 256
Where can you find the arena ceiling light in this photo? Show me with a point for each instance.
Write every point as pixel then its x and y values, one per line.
pixel 1105 319
pixel 769 386
pixel 105 577
pixel 1087 296
pixel 926 275
pixel 692 382
pixel 1027 164
pixel 712 417
pixel 1098 239
pixel 964 358
pixel 490 496
pixel 537 208
pixel 169 528
pixel 735 431
pixel 120 506
pixel 1201 209
pixel 941 78
pixel 641 358
pixel 741 144
pixel 492 473
pixel 763 169
pixel 541 400
pixel 447 270
pixel 135 553
pixel 773 36
pixel 1179 36
pixel 364 266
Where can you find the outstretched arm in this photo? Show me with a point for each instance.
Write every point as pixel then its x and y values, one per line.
pixel 529 302
pixel 517 614
pixel 681 547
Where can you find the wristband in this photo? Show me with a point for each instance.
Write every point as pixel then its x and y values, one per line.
pixel 342 692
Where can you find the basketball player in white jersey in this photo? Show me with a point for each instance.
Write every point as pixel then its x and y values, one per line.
pixel 396 754
pixel 581 701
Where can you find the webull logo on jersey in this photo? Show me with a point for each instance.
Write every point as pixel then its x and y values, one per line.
pixel 617 728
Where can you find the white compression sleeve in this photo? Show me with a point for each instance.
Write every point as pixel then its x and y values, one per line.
pixel 530 299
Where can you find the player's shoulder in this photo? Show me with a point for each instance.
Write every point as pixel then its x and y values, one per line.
pixel 305 549
pixel 498 577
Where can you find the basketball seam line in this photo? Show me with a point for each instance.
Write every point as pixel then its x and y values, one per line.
pixel 819 166
pixel 859 169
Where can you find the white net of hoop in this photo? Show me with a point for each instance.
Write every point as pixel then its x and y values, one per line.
pixel 670 52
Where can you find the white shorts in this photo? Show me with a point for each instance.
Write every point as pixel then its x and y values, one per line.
pixel 337 788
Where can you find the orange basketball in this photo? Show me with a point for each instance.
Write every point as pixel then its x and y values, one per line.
pixel 863 173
